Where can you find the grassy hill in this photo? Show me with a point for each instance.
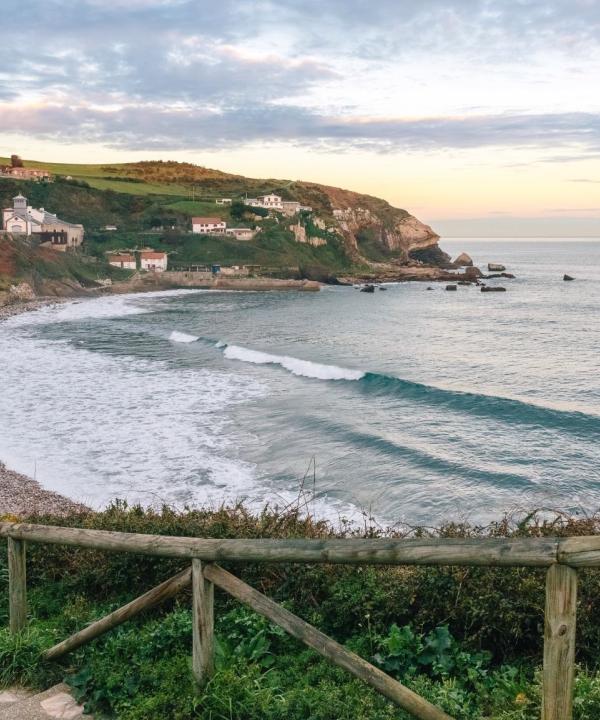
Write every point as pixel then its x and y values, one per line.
pixel 140 197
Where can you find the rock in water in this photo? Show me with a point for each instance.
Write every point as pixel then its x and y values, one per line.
pixel 486 288
pixel 568 277
pixel 451 287
pixel 496 267
pixel 463 260
pixel 472 273
pixel 368 289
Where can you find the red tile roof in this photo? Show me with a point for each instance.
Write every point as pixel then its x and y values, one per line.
pixel 153 255
pixel 206 220
pixel 121 258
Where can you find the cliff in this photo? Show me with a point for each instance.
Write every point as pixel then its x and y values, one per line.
pixel 366 222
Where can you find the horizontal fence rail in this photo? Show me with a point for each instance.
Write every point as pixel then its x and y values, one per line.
pixel 560 556
pixel 530 552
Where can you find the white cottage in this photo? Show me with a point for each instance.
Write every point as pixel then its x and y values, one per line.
pixel 208 226
pixel 154 261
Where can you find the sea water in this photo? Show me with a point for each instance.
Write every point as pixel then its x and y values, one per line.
pixel 411 405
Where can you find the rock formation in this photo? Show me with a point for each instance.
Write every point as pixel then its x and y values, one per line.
pixel 463 260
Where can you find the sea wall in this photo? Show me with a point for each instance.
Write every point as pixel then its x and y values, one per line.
pixel 206 280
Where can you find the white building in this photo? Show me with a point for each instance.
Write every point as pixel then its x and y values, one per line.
pixel 152 260
pixel 270 202
pixel 208 225
pixel 22 219
pixel 122 260
pixel 223 201
pixel 241 233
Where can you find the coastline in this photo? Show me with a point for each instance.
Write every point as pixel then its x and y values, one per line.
pixel 21 496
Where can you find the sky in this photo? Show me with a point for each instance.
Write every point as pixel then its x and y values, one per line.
pixel 480 117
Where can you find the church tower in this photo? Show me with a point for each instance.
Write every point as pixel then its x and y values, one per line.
pixel 20 203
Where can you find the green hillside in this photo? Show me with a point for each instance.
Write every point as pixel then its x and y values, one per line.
pixel 137 214
pixel 152 203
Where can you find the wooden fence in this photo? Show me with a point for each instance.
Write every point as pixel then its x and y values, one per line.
pixel 561 557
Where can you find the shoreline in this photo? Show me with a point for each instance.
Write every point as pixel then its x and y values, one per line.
pixel 21 495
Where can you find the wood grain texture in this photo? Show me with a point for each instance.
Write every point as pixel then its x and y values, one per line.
pixel 559 643
pixel 203 647
pixel 17 585
pixel 164 591
pixel 537 552
pixel 325 646
pixel 581 551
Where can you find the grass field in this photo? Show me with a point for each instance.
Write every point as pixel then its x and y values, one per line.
pixel 200 207
pixel 136 188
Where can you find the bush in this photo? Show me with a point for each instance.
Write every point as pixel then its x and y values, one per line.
pixel 468 639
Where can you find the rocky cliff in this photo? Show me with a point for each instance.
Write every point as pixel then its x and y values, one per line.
pixel 372 229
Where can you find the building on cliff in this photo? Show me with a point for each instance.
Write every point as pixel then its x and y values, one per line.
pixel 43 226
pixel 269 202
pixel 208 226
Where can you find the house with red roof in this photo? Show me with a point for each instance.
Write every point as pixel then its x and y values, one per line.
pixel 153 260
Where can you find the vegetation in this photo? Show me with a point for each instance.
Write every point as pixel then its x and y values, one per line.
pixel 468 639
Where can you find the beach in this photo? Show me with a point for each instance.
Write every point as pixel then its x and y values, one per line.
pixel 22 496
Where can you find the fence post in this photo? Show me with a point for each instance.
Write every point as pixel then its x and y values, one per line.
pixel 203 620
pixel 559 643
pixel 17 585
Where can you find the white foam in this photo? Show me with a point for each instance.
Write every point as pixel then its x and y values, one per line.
pixel 101 307
pixel 181 337
pixel 304 368
pixel 96 427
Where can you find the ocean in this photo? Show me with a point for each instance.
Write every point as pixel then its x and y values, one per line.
pixel 410 406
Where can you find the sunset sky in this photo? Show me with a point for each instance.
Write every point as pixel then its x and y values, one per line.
pixel 479 117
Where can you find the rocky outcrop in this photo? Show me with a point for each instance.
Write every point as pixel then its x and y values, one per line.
pixel 463 260
pixel 301 236
pixel 399 235
pixel 369 226
pixel 23 292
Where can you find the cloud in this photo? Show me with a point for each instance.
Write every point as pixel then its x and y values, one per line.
pixel 150 125
pixel 191 74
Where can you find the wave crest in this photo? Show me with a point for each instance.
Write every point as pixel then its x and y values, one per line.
pixel 181 337
pixel 304 368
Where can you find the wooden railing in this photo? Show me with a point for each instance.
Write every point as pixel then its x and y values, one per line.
pixel 561 557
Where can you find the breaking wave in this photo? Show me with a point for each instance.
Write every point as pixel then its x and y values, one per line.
pixel 181 337
pixel 304 368
pixel 501 409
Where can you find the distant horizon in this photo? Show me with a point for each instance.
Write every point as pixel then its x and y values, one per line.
pixel 451 110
